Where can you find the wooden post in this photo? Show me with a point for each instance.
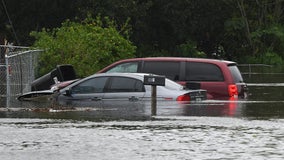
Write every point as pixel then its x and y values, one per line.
pixel 154 81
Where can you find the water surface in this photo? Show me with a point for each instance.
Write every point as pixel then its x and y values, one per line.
pixel 239 129
pixel 162 138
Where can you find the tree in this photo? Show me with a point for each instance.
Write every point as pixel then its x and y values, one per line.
pixel 256 29
pixel 164 27
pixel 26 16
pixel 88 45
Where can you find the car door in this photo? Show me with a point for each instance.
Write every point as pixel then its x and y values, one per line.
pixel 123 90
pixel 87 93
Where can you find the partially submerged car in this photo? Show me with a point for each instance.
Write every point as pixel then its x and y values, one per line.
pixel 62 73
pixel 128 87
pixel 44 87
pixel 221 79
pixel 43 95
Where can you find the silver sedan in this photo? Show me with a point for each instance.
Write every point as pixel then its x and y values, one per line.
pixel 127 87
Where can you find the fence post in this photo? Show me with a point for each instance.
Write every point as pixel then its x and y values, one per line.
pixel 249 71
pixel 8 86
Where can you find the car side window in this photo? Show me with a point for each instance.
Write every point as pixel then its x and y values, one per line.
pixel 124 84
pixel 196 71
pixel 131 67
pixel 94 85
pixel 169 69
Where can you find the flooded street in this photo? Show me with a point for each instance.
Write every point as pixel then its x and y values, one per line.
pixel 162 138
pixel 241 129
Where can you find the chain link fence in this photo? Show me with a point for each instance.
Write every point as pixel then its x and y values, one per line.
pixel 17 71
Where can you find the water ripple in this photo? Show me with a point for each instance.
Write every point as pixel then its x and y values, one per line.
pixel 163 137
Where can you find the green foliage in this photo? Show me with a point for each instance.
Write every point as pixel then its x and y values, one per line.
pixel 269 58
pixel 158 27
pixel 189 49
pixel 272 58
pixel 270 38
pixel 234 38
pixel 88 45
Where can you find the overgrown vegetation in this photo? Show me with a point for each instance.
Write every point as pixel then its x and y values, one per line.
pixel 88 45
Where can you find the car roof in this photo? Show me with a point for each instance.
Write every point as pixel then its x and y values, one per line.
pixel 131 75
pixel 179 59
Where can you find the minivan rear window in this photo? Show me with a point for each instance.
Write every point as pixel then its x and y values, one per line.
pixel 236 74
pixel 197 71
pixel 170 69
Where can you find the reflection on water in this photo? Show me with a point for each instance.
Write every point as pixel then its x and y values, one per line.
pixel 265 101
pixel 266 107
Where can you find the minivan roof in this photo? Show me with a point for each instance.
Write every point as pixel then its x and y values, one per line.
pixel 180 59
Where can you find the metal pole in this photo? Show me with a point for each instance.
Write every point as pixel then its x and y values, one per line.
pixel 8 90
pixel 249 71
pixel 31 70
pixel 154 100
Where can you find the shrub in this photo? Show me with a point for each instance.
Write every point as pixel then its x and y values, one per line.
pixel 88 45
pixel 189 49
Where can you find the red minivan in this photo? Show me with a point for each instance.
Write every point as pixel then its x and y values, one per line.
pixel 222 79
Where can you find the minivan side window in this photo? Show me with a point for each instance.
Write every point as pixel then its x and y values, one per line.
pixel 131 67
pixel 169 69
pixel 196 71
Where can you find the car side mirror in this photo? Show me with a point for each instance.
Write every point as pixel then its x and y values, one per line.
pixel 68 92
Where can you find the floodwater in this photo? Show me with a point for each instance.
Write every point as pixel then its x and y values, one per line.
pixel 240 129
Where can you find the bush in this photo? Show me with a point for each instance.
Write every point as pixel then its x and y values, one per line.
pixel 189 49
pixel 88 45
pixel 272 59
pixel 269 58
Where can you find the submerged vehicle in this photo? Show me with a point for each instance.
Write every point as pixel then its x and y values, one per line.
pixel 220 78
pixel 128 87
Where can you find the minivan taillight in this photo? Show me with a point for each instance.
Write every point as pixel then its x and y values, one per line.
pixel 183 98
pixel 233 90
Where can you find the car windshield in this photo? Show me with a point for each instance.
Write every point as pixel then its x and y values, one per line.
pixel 236 74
